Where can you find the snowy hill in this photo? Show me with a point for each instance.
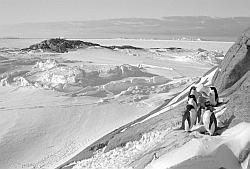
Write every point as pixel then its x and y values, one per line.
pixel 54 105
pixel 84 109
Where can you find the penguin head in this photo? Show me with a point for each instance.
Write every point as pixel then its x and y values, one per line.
pixel 192 90
pixel 213 88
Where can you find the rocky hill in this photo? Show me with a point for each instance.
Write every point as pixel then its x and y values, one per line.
pixel 60 45
pixel 233 79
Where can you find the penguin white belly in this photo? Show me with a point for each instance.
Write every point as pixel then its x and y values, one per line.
pixel 206 119
pixel 202 114
pixel 193 116
pixel 212 129
pixel 186 124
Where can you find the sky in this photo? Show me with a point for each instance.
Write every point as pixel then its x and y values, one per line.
pixel 29 11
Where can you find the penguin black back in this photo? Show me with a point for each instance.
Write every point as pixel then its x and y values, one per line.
pixel 186 115
pixel 213 120
pixel 215 92
pixel 199 114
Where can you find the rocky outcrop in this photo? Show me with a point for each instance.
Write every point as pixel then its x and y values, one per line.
pixel 233 81
pixel 236 63
pixel 60 45
pixel 123 47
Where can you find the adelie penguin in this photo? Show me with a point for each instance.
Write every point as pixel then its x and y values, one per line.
pixel 210 121
pixel 189 117
pixel 213 96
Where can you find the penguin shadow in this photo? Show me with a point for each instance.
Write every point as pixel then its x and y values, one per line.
pixel 225 126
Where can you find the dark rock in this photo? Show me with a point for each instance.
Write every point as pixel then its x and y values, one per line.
pixel 235 65
pixel 232 79
pixel 244 153
pixel 60 45
pixel 63 45
pixel 122 47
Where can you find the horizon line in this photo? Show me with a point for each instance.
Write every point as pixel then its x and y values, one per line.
pixel 107 19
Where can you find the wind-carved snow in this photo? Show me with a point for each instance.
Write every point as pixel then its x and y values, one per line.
pixel 61 75
pixel 46 65
pixel 86 80
pixel 121 157
pixel 201 56
pixel 16 77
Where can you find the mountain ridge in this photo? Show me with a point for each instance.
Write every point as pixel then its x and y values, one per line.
pixel 209 28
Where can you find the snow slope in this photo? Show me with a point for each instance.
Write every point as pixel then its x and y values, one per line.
pixel 40 127
pixel 209 152
pixel 202 151
pixel 50 113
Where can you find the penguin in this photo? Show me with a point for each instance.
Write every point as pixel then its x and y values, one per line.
pixel 192 101
pixel 189 117
pixel 213 96
pixel 210 121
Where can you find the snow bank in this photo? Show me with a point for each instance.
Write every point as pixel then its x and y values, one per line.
pixel 13 77
pixel 61 75
pixel 46 65
pixel 159 80
pixel 212 57
pixel 202 56
pixel 121 157
pixel 221 151
pixel 135 85
pixel 127 70
pixel 88 80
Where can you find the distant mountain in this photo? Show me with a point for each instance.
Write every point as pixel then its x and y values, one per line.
pixel 176 27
